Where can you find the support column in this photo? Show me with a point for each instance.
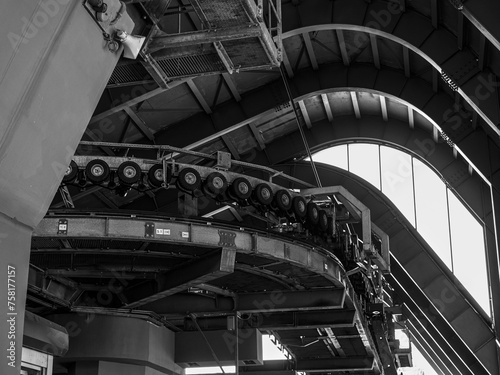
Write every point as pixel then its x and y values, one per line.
pixel 54 66
pixel 113 345
pixel 15 239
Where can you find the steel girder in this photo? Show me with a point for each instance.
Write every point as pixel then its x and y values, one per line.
pixel 414 92
pixel 203 270
pixel 432 357
pixel 194 234
pixel 201 235
pixel 352 365
pixel 414 29
pixel 483 17
pixel 453 310
pixel 336 364
pixel 438 343
pixel 261 302
pixel 282 321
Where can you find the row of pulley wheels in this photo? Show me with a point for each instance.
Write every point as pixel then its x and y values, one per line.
pixel 241 190
pixel 129 172
pixel 189 180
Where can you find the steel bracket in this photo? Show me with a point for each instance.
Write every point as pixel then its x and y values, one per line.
pixel 149 230
pixel 227 238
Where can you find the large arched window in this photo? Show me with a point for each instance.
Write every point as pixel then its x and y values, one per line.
pixel 419 192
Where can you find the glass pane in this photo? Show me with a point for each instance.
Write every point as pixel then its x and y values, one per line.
pixel 432 211
pixel 469 258
pixel 336 156
pixel 364 161
pixel 419 364
pixel 397 180
pixel 270 350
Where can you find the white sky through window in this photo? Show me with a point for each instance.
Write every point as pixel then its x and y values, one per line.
pixel 423 198
pixel 364 161
pixel 469 254
pixel 432 212
pixel 397 180
pixel 336 156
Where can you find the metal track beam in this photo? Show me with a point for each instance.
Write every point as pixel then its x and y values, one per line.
pixel 335 364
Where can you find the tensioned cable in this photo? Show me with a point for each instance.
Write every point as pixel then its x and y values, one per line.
pixel 193 318
pixel 302 134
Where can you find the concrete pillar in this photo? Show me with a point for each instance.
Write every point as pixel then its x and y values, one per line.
pixel 108 345
pixel 54 66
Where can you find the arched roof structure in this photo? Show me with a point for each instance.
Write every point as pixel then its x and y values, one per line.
pixel 421 75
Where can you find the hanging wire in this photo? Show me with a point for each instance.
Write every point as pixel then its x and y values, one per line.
pixel 301 130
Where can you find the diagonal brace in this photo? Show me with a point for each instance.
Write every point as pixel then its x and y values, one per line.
pixel 213 266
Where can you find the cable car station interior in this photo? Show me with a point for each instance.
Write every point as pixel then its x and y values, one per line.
pixel 164 205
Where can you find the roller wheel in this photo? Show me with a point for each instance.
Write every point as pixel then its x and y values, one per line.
pixel 97 171
pixel 155 175
pixel 129 172
pixel 241 188
pixel 299 207
pixel 323 220
pixel 264 194
pixel 312 213
pixel 216 183
pixel 189 179
pixel 283 200
pixel 71 172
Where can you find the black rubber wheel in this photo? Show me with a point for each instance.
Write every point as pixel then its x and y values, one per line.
pixel 312 213
pixel 189 179
pixel 155 175
pixel 97 171
pixel 71 172
pixel 323 220
pixel 129 172
pixel 299 207
pixel 263 194
pixel 283 200
pixel 216 183
pixel 241 188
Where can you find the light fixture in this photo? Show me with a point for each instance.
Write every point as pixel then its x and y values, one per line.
pixel 131 44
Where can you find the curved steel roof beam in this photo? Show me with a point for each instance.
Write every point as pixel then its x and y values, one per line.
pixel 484 16
pixel 472 101
pixel 300 98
